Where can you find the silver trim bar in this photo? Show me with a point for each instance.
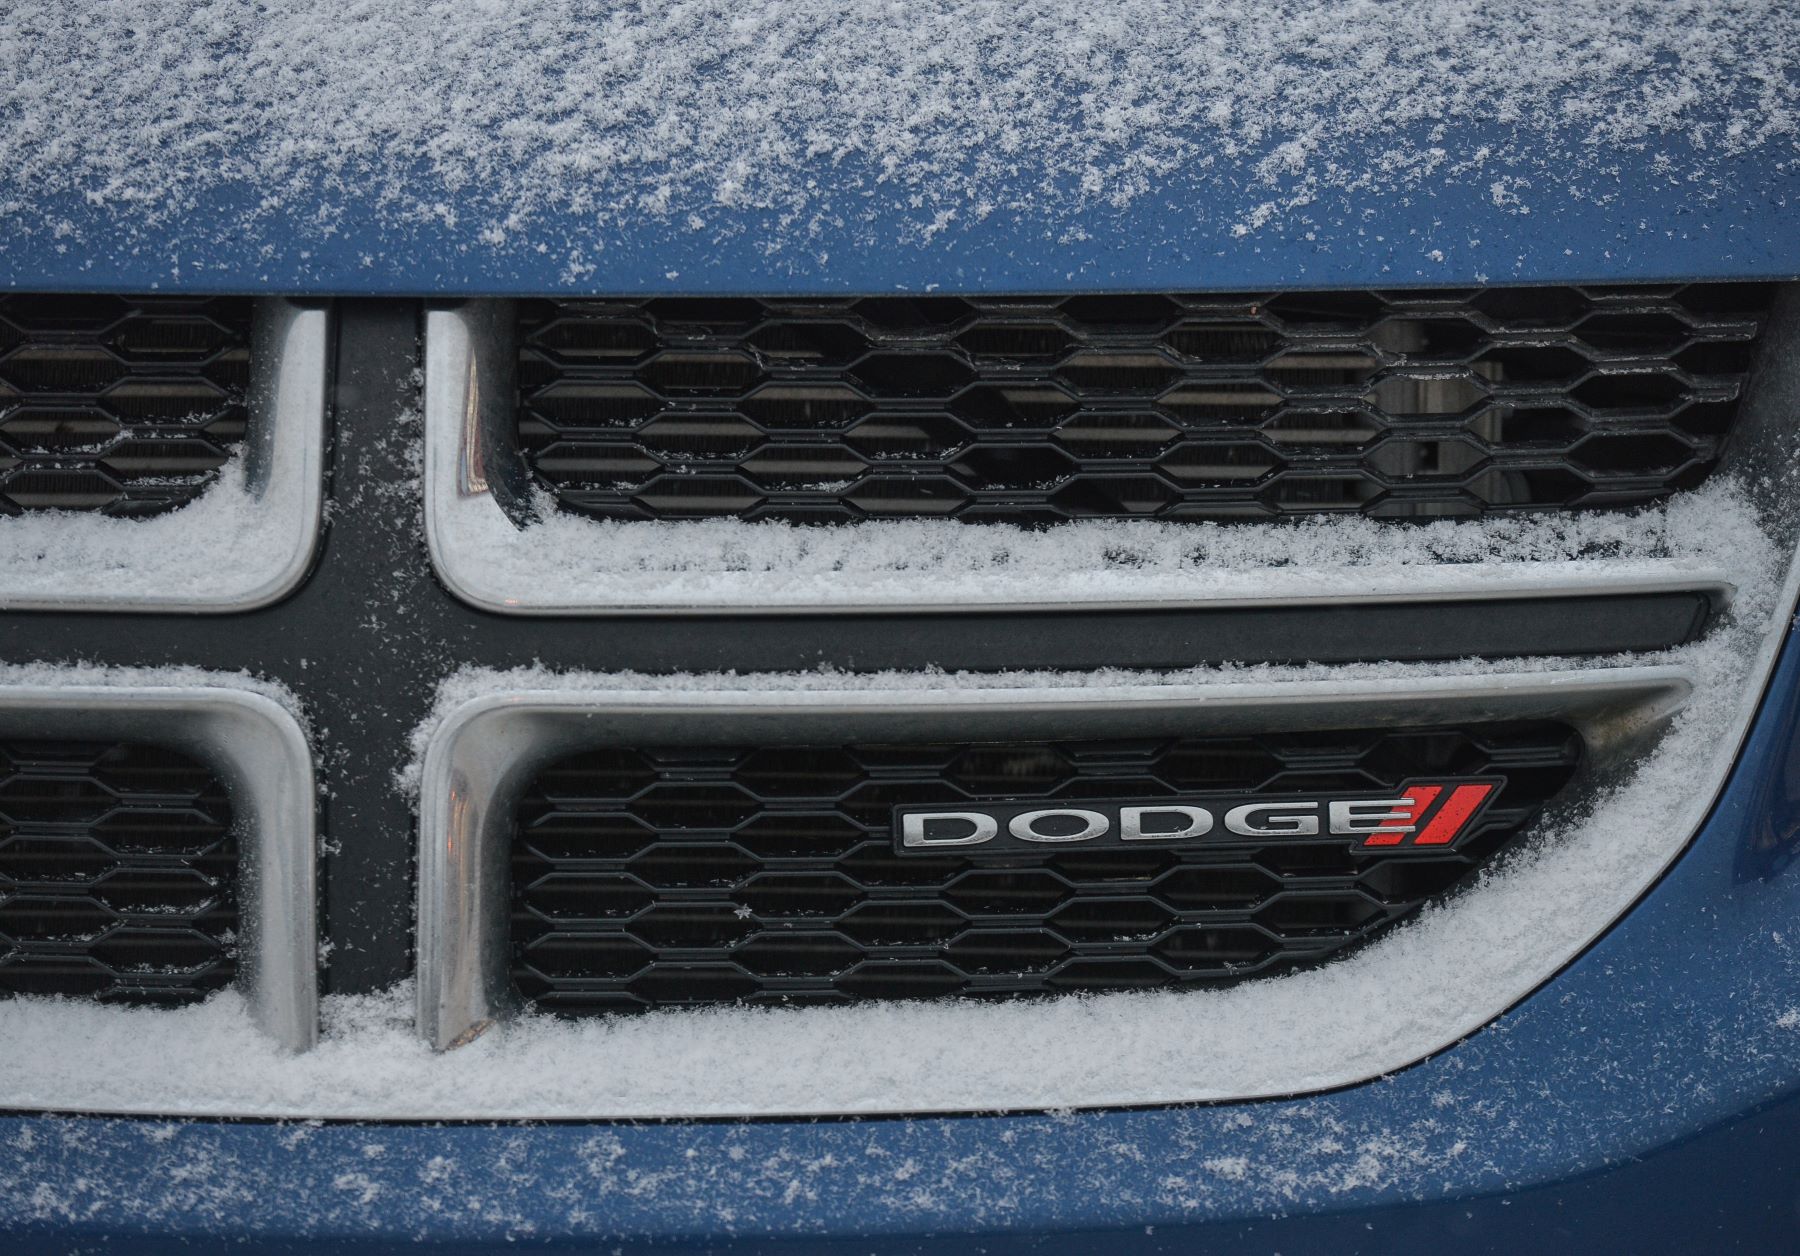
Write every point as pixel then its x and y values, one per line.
pixel 480 758
pixel 261 754
pixel 290 371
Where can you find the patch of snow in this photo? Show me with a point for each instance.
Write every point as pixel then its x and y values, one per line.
pixel 139 679
pixel 228 544
pixel 569 559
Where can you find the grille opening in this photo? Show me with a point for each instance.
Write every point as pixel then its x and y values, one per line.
pixel 1034 410
pixel 118 873
pixel 124 406
pixel 684 875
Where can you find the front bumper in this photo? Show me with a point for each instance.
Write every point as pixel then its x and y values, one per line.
pixel 1648 1099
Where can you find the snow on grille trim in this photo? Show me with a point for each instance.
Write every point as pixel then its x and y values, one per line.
pixel 481 758
pixel 243 542
pixel 259 754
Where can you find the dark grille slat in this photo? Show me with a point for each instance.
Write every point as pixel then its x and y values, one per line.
pixel 119 405
pixel 118 874
pixel 696 875
pixel 1033 410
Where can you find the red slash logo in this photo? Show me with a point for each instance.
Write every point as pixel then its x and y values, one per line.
pixel 1432 815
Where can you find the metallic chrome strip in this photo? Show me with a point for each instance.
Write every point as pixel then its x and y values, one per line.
pixel 471 459
pixel 483 754
pixel 290 371
pixel 261 754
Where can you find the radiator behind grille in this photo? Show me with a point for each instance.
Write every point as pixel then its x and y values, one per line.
pixel 118 873
pixel 691 875
pixel 120 405
pixel 1039 409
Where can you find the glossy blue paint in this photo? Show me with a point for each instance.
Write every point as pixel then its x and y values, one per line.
pixel 1646 1100
pixel 1620 217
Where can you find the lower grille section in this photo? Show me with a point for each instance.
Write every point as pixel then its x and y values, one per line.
pixel 120 405
pixel 695 875
pixel 118 873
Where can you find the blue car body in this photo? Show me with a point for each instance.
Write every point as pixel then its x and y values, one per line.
pixel 1645 1100
pixel 1631 213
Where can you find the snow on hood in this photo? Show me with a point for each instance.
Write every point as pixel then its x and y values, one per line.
pixel 419 145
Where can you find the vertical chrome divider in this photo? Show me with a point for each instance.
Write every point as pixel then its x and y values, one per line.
pixel 475 766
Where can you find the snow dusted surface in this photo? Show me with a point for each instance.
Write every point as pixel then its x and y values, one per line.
pixel 1352 1019
pixel 227 545
pixel 138 679
pixel 567 559
pixel 482 118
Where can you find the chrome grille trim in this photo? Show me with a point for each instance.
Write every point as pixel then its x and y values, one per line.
pixel 284 453
pixel 260 752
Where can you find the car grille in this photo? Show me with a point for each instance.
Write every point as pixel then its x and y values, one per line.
pixel 1040 409
pixel 117 873
pixel 692 875
pixel 120 405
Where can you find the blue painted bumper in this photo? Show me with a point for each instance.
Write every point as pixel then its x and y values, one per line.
pixel 1646 1100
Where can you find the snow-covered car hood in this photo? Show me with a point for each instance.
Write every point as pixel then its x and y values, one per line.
pixel 467 146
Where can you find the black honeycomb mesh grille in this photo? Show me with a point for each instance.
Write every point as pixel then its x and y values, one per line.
pixel 117 874
pixel 650 878
pixel 1034 410
pixel 119 405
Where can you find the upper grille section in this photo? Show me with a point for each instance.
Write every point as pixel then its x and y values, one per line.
pixel 686 875
pixel 122 405
pixel 117 873
pixel 1034 410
